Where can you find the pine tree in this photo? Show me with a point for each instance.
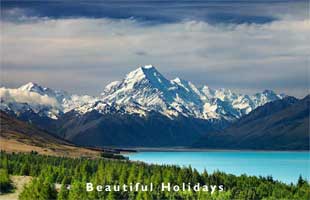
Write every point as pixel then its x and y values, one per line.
pixel 64 192
pixel 5 182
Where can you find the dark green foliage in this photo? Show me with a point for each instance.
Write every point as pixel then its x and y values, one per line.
pixel 40 188
pixel 76 172
pixel 113 156
pixel 5 183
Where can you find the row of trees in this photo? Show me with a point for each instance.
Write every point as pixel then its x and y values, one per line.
pixel 77 172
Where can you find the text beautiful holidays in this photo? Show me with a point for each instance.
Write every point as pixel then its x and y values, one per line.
pixel 136 187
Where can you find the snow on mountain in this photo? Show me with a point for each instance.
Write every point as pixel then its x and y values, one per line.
pixel 150 89
pixel 41 100
pixel 144 86
pixel 141 91
pixel 33 87
pixel 66 100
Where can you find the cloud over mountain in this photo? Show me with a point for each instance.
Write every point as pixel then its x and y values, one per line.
pixel 22 96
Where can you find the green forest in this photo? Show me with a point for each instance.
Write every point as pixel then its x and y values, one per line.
pixel 76 172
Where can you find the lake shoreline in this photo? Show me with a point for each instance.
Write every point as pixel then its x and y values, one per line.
pixel 184 149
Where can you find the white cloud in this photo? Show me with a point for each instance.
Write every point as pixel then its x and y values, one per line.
pixel 245 56
pixel 21 96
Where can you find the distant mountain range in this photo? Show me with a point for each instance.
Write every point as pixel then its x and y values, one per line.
pixel 279 125
pixel 141 91
pixel 143 109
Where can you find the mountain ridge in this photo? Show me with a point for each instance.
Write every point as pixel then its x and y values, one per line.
pixel 144 89
pixel 277 125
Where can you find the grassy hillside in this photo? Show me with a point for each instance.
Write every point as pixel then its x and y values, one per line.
pixel 18 136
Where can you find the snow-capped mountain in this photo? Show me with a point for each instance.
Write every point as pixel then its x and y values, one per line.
pixel 150 90
pixel 40 100
pixel 66 101
pixel 141 91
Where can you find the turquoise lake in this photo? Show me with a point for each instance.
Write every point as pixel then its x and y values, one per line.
pixel 282 166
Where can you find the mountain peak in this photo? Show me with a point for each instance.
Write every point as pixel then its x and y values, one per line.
pixel 267 91
pixel 31 86
pixel 34 87
pixel 148 67
pixel 271 94
pixel 147 72
pixel 142 70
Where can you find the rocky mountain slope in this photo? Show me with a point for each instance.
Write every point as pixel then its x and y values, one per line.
pixel 279 125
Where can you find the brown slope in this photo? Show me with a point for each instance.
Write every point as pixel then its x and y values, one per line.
pixel 19 136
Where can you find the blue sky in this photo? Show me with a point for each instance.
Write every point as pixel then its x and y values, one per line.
pixel 80 46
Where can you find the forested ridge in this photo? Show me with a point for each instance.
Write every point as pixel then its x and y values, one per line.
pixel 76 172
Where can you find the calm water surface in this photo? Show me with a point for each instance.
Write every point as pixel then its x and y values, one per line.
pixel 283 166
